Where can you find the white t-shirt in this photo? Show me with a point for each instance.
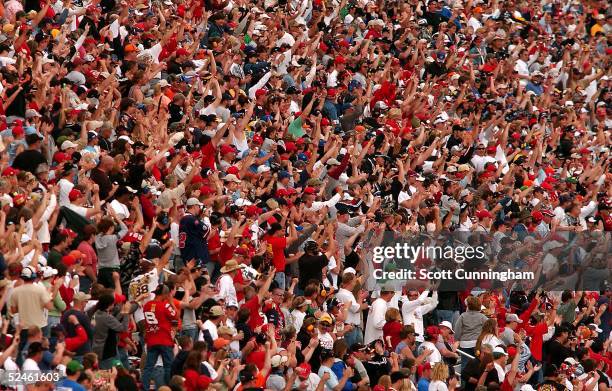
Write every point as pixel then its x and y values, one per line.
pixel 64 189
pixel 81 210
pixel 10 365
pixel 227 290
pixel 437 385
pixel 120 209
pixel 310 383
pixel 212 329
pixel 297 317
pixel 492 340
pixel 435 356
pixel 30 365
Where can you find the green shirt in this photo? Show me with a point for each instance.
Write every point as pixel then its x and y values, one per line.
pixel 295 128
pixel 54 259
pixel 567 311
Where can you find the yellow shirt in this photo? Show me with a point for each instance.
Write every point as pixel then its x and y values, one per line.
pixel 596 29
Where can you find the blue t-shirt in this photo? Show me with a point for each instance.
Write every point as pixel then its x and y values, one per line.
pixel 67 384
pixel 423 384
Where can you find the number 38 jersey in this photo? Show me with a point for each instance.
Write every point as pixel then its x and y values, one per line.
pixel 159 317
pixel 144 283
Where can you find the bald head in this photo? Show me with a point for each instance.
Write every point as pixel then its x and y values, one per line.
pixel 106 163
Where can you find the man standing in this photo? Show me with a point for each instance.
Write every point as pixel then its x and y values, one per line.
pixel 79 301
pixel 160 317
pixel 30 301
pixel 355 307
pixel 376 317
pixel 29 159
pixel 225 284
pixel 193 236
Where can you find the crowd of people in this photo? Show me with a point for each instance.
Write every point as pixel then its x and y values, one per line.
pixel 191 192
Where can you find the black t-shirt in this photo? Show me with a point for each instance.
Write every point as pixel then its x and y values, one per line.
pixel 556 353
pixel 18 105
pixel 310 268
pixel 161 235
pixel 472 369
pixel 29 160
pixel 434 19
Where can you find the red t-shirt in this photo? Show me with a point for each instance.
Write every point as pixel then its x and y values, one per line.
pixel 159 316
pixel 392 329
pixel 255 320
pixel 214 243
pixel 258 358
pixel 278 251
pixel 239 279
pixel 208 156
pixel 226 253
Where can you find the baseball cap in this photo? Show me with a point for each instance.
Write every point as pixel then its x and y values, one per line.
pixel 303 370
pixel 448 325
pixel 482 214
pixel 74 195
pixel 9 171
pixel 193 201
pixel 74 366
pixel 513 318
pixel 68 232
pixel 68 144
pixel 220 343
pixel 216 310
pixel 81 296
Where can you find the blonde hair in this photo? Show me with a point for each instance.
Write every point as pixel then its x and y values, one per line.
pixel 385 381
pixel 439 372
pixel 392 314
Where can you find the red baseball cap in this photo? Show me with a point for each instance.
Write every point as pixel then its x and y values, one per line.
pixel 253 210
pixel 331 92
pixel 281 193
pixel 257 139
pixel 74 194
pixel 310 190
pixel 182 52
pixel 339 60
pixel 9 171
pixel 303 370
pixel 325 122
pixel 482 214
pixel 225 149
pixel 537 215
pixel 260 92
pixel 68 232
pixel 68 260
pixel 61 157
pixel 206 190
pixel 290 146
pixel 233 170
pixel 18 131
